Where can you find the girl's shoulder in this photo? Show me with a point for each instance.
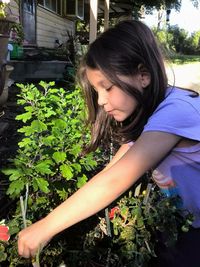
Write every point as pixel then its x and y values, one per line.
pixel 181 93
pixel 182 99
pixel 178 113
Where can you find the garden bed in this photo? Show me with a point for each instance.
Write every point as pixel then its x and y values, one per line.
pixel 9 138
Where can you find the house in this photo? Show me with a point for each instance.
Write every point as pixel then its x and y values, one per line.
pixel 46 24
pixel 47 21
pixel 43 21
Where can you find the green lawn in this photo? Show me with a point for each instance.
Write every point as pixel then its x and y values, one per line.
pixel 184 59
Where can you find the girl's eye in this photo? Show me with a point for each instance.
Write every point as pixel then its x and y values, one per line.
pixel 109 88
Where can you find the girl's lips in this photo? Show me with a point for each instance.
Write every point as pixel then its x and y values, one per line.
pixel 109 111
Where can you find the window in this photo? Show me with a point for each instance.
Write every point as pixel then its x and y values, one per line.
pixel 53 5
pixel 74 8
pixel 28 6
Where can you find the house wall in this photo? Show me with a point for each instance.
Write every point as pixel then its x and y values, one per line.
pixel 51 27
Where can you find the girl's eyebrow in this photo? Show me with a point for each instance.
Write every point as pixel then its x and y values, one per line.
pixel 105 83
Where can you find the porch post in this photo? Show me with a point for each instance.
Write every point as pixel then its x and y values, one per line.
pixel 106 14
pixel 93 20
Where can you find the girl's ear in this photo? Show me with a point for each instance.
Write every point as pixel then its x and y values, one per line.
pixel 145 79
pixel 144 75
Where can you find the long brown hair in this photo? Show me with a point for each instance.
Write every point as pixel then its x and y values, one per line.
pixel 120 51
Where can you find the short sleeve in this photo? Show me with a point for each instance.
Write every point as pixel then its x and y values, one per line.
pixel 177 116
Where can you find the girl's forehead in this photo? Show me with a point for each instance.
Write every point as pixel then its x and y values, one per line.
pixel 97 78
pixel 95 73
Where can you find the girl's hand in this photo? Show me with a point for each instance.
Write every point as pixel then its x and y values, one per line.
pixel 33 238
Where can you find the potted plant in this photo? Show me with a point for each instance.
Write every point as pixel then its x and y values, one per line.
pixel 16 39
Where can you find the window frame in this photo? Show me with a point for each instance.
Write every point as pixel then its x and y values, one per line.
pixel 44 5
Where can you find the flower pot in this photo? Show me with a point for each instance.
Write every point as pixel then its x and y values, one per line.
pixel 17 51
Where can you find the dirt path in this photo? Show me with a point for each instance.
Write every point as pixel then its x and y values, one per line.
pixel 186 75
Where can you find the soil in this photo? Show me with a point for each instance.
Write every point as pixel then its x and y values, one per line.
pixel 9 138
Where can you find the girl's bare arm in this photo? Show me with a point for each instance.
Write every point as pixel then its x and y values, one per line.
pixel 101 190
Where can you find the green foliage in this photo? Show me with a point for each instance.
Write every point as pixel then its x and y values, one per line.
pixel 177 40
pixel 52 141
pixel 48 160
pixel 136 225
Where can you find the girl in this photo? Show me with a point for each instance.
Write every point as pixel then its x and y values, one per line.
pixel 125 85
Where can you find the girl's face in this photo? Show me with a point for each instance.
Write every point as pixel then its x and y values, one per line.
pixel 115 102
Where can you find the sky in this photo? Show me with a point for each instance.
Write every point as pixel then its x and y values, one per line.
pixel 188 18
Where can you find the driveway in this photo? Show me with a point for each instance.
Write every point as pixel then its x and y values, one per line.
pixel 185 75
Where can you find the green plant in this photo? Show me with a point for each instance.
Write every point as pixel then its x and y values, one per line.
pixel 4 4
pixel 49 152
pixel 136 226
pixel 17 33
pixel 48 160
pixel 5 10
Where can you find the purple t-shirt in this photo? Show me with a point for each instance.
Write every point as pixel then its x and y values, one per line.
pixel 179 172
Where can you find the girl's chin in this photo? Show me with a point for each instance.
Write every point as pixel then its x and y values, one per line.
pixel 119 118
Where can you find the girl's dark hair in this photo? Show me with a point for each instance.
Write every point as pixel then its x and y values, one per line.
pixel 123 50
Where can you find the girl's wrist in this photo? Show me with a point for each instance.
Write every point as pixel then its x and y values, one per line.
pixel 53 225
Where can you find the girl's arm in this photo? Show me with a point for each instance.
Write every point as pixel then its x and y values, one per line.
pixel 100 191
pixel 121 151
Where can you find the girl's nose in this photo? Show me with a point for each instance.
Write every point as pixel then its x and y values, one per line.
pixel 102 98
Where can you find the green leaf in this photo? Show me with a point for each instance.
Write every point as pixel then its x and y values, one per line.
pixel 27 130
pixel 17 173
pixel 66 171
pixel 35 185
pixel 3 256
pixel 13 227
pixel 24 117
pixel 29 108
pixel 38 126
pixel 61 124
pixel 25 142
pixel 15 188
pixel 49 113
pixel 42 184
pixel 77 167
pixel 41 200
pixel 43 168
pixel 59 157
pixel 81 181
pixel 48 140
pixel 62 194
pixel 76 149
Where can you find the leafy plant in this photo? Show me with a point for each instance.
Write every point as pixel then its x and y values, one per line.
pixel 137 224
pixel 48 161
pixel 49 152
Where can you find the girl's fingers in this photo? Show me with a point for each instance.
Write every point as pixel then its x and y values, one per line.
pixel 27 253
pixel 25 250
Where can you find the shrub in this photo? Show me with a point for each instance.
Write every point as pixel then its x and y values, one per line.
pixel 48 166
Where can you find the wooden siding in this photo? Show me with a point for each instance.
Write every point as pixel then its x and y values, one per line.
pixel 51 27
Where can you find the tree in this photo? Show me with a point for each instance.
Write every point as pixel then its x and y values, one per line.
pixel 149 5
